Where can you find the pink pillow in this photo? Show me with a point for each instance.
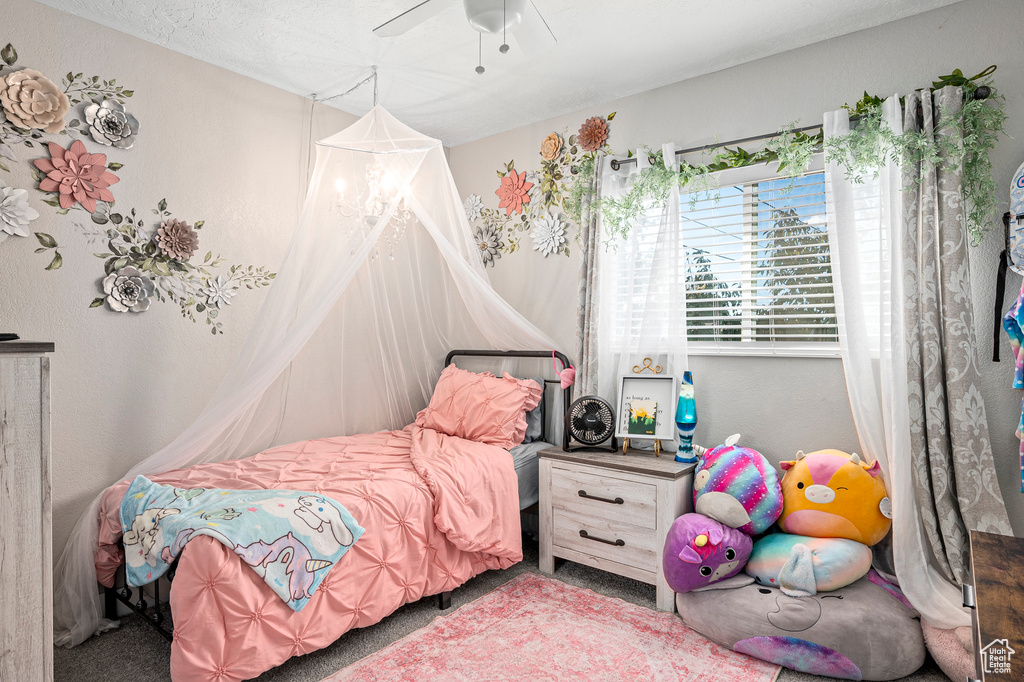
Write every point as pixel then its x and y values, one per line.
pixel 480 407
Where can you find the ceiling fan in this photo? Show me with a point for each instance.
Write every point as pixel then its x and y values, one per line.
pixel 520 17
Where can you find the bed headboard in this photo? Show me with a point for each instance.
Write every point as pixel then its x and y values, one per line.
pixel 566 392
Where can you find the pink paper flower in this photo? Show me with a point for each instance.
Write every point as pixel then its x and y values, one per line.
pixel 76 175
pixel 514 192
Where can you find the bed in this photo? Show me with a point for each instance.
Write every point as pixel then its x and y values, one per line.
pixel 437 509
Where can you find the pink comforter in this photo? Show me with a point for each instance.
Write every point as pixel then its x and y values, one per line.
pixel 437 511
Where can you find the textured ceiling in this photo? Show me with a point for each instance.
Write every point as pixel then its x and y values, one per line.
pixel 606 49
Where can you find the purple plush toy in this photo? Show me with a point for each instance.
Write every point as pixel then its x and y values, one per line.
pixel 700 551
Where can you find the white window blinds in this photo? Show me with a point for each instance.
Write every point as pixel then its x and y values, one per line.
pixel 758 271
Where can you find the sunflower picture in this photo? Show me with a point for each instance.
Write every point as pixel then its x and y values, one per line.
pixel 643 420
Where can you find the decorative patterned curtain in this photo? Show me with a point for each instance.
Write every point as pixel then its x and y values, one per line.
pixel 587 303
pixel 906 333
pixel 954 472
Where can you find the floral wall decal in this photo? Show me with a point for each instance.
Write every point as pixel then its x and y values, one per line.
pixel 550 147
pixel 141 263
pixel 128 290
pixel 548 234
pixel 473 205
pixel 177 239
pixel 76 176
pixel 31 100
pixel 15 213
pixel 488 239
pixel 592 134
pixel 166 263
pixel 514 192
pixel 542 198
pixel 111 124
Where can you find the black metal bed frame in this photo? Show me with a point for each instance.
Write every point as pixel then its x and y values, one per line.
pixel 152 611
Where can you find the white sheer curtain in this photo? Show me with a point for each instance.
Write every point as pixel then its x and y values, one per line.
pixel 381 280
pixel 864 225
pixel 642 286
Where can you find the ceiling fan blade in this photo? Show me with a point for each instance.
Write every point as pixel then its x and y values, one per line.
pixel 533 35
pixel 411 17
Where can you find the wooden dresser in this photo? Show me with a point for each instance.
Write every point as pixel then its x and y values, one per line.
pixel 612 511
pixel 26 595
pixel 998 603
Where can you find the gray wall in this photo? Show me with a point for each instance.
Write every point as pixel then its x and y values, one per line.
pixel 218 147
pixel 782 405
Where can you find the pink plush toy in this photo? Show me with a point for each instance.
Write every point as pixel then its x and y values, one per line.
pixel 700 551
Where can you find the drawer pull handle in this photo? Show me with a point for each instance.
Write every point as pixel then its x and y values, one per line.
pixel 617 500
pixel 588 536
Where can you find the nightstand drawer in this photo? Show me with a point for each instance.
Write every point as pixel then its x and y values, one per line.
pixel 606 497
pixel 619 542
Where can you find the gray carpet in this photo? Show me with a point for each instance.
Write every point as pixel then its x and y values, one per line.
pixel 136 652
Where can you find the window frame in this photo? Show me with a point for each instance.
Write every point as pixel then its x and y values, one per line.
pixel 763 172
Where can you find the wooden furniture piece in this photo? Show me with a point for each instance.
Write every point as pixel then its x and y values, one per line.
pixel 612 511
pixel 998 606
pixel 26 596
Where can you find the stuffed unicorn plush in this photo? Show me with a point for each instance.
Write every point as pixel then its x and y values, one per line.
pixel 700 551
pixel 737 486
pixel 832 494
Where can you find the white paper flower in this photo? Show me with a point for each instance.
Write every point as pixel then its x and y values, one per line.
pixel 548 234
pixel 473 206
pixel 128 289
pixel 218 292
pixel 15 213
pixel 488 240
pixel 110 124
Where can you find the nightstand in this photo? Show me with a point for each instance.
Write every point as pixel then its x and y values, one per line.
pixel 612 511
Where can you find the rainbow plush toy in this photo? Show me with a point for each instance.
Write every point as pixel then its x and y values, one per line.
pixel 738 487
pixel 832 494
pixel 833 563
pixel 700 551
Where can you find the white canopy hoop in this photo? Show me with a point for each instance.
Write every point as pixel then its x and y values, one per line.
pixel 381 279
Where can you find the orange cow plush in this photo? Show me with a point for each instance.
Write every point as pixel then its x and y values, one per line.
pixel 831 494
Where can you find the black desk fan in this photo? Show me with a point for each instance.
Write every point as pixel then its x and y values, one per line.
pixel 589 423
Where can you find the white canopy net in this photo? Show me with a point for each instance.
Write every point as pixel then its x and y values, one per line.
pixel 381 280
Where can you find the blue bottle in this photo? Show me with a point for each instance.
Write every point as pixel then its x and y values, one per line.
pixel 686 420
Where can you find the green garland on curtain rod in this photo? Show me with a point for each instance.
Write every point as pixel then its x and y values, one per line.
pixel 869 143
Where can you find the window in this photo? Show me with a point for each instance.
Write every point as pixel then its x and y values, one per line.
pixel 758 276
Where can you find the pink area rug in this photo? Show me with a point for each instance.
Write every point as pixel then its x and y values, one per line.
pixel 536 628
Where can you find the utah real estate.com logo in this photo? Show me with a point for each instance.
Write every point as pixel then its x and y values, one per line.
pixel 995 658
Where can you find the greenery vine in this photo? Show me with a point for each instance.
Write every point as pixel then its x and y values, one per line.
pixel 861 152
pixel 980 121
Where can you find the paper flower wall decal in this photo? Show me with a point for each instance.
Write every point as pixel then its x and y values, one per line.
pixel 31 100
pixel 128 289
pixel 76 175
pixel 219 292
pixel 110 124
pixel 15 213
pixel 514 192
pixel 550 147
pixel 548 234
pixel 488 240
pixel 177 239
pixel 474 206
pixel 593 134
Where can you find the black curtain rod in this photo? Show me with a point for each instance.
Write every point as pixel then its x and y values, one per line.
pixel 618 163
pixel 980 93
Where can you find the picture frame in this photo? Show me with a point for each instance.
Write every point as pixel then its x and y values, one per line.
pixel 659 389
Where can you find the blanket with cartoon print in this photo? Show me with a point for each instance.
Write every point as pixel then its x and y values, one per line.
pixel 290 539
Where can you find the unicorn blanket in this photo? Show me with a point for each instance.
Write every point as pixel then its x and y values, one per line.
pixel 290 539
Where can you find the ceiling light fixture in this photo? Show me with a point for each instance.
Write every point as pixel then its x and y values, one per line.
pixel 480 55
pixel 504 25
